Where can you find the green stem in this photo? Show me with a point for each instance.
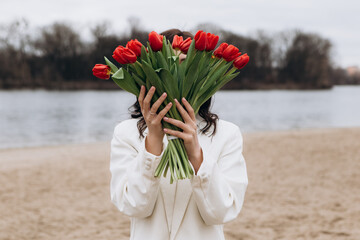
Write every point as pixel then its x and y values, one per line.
pixel 171 168
pixel 166 168
pixel 173 158
pixel 184 158
pixel 162 164
pixel 232 70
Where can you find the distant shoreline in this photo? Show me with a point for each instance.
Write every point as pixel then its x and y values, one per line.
pixel 109 85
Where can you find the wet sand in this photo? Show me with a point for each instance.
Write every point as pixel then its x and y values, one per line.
pixel 303 184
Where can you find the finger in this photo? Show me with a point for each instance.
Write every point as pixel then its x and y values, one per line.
pixel 158 102
pixel 189 109
pixel 163 112
pixel 175 133
pixel 141 96
pixel 177 123
pixel 146 102
pixel 183 112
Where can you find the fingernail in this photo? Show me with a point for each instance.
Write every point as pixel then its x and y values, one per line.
pixel 165 118
pixel 184 99
pixel 175 100
pixel 165 130
pixel 164 94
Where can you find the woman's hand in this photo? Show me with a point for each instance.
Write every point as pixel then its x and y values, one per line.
pixel 189 134
pixel 153 141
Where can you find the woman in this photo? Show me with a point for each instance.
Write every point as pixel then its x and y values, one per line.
pixel 188 209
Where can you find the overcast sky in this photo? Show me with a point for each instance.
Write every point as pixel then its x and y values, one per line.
pixel 338 21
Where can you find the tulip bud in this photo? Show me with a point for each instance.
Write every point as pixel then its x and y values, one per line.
pixel 156 41
pixel 211 42
pixel 241 61
pixel 101 71
pixel 177 40
pixel 184 46
pixel 219 51
pixel 200 40
pixel 124 55
pixel 135 46
pixel 230 53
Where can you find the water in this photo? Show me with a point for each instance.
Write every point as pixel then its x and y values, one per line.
pixel 36 118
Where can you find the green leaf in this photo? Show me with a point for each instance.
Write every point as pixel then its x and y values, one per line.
pixel 204 65
pixel 138 80
pixel 170 56
pixel 131 83
pixel 181 77
pixel 152 58
pixel 126 82
pixel 190 54
pixel 214 77
pixel 191 75
pixel 123 86
pixel 119 74
pixel 153 77
pixel 144 54
pixel 165 50
pixel 175 58
pixel 216 88
pixel 173 71
pixel 170 84
pixel 138 69
pixel 161 60
pixel 111 65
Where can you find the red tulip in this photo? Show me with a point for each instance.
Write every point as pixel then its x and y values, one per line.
pixel 211 42
pixel 230 53
pixel 184 46
pixel 124 55
pixel 101 71
pixel 219 51
pixel 177 42
pixel 135 46
pixel 156 41
pixel 200 40
pixel 241 61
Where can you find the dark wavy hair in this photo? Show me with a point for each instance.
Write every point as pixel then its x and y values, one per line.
pixel 204 112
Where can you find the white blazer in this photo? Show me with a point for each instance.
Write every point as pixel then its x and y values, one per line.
pixel 188 209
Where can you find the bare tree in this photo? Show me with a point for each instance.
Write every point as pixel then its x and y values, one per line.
pixel 307 61
pixel 14 46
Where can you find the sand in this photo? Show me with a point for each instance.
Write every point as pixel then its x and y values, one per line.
pixel 303 184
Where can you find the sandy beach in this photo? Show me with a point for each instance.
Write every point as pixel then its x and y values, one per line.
pixel 303 184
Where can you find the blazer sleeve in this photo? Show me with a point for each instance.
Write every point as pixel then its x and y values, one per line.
pixel 133 187
pixel 220 184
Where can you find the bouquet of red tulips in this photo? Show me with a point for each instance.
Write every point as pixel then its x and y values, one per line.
pixel 197 78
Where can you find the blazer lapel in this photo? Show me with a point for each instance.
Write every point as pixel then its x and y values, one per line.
pixel 182 197
pixel 168 195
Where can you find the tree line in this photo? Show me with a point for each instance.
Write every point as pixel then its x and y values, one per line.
pixel 58 58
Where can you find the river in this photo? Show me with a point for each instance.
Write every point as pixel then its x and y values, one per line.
pixel 39 117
